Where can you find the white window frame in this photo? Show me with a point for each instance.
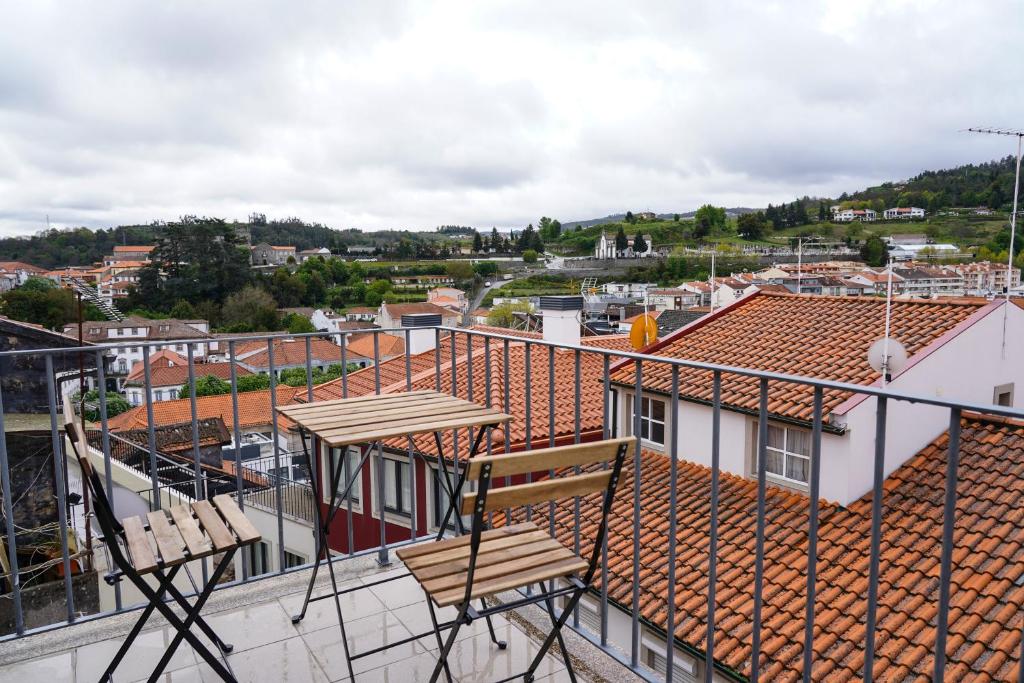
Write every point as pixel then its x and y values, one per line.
pixel 260 554
pixel 391 517
pixel 433 504
pixel 353 454
pixel 647 402
pixel 787 454
pixel 299 559
pixel 1003 390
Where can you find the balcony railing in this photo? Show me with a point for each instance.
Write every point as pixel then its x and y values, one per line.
pixel 538 412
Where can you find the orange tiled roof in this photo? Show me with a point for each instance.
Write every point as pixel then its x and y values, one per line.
pixel 494 329
pixel 388 345
pixel 177 375
pixel 21 265
pixel 253 410
pixel 290 352
pixel 396 311
pixel 987 603
pixel 810 335
pixel 129 249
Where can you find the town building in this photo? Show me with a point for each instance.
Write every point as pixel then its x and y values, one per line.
pixel 168 374
pixel 840 215
pixel 130 332
pixel 264 254
pixel 984 278
pixel 672 299
pixel 389 316
pixel 605 248
pixel 306 254
pixel 448 297
pixel 16 273
pixel 903 213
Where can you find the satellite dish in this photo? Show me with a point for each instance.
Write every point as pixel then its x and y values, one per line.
pixel 643 332
pixel 897 356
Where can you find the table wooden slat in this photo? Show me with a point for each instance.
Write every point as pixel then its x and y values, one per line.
pixel 364 419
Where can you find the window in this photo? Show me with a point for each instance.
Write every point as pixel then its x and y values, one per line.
pixel 120 332
pixel 158 395
pixel 397 487
pixel 788 453
pixel 1002 395
pixel 293 559
pixel 352 456
pixel 441 499
pixel 259 558
pixel 652 420
pixel 590 615
pixel 683 669
pixel 122 365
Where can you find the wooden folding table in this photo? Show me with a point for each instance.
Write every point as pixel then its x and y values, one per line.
pixel 371 420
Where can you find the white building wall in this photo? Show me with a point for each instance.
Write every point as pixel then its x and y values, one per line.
pixel 967 368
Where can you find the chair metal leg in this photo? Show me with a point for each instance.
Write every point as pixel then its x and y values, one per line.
pixel 134 633
pixel 556 633
pixel 341 618
pixel 183 627
pixel 437 634
pixel 200 622
pixel 490 627
pixel 561 642
pixel 442 659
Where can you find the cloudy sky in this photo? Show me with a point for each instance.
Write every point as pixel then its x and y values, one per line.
pixel 375 114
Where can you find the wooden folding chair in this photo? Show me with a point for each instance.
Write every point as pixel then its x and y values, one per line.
pixel 159 545
pixel 459 570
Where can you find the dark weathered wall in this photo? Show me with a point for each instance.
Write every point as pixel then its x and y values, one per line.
pixel 32 484
pixel 23 378
pixel 45 603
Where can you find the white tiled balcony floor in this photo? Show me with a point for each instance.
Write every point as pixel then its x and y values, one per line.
pixel 268 647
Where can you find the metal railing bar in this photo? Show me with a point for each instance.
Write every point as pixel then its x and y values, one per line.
pixel 670 617
pixel 551 431
pixel 276 434
pixel 108 475
pixel 14 580
pixel 946 559
pixel 376 362
pixel 343 339
pixel 236 433
pixel 606 432
pixel 881 409
pixel 716 425
pixel 576 412
pixel 634 651
pixel 812 535
pixel 309 369
pixel 762 470
pixel 60 483
pixel 155 504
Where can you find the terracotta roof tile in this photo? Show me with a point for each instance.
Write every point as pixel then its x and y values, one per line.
pixel 808 335
pixel 253 410
pixel 987 603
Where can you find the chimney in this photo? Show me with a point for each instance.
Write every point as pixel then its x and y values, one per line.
pixel 422 335
pixel 561 316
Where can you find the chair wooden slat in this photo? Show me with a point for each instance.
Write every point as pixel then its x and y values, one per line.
pixel 483 589
pixel 197 544
pixel 539 491
pixel 243 528
pixel 298 410
pixel 141 552
pixel 486 559
pixel 409 552
pixel 547 459
pixel 168 541
pixel 214 527
pixel 490 545
pixel 457 579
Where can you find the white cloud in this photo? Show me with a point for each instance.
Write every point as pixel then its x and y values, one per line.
pixel 411 115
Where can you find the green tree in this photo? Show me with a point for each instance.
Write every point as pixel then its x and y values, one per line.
pixel 207 385
pixel 822 211
pixel 630 218
pixel 116 404
pixel 874 252
pixel 708 220
pixel 296 323
pixel 250 310
pixel 504 315
pixel 621 241
pixel 639 244
pixel 182 310
pixel 478 242
pixel 459 270
pixel 529 256
pixel 253 382
pixel 41 302
pixel 751 226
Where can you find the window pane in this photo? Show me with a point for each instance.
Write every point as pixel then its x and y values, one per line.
pixel 645 429
pixel 798 442
pixel 773 462
pixel 406 487
pixel 798 468
pixel 390 492
pixel 657 432
pixel 776 437
pixel 658 410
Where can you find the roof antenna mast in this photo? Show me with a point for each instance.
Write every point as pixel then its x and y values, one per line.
pixel 1019 134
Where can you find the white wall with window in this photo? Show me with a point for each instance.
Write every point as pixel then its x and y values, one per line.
pixel 397 488
pixel 788 455
pixel 654 418
pixel 345 463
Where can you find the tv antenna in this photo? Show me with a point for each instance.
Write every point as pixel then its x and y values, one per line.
pixel 1019 134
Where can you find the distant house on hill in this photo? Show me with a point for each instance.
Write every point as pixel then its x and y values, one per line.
pixel 606 249
pixel 840 215
pixel 264 254
pixel 903 213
